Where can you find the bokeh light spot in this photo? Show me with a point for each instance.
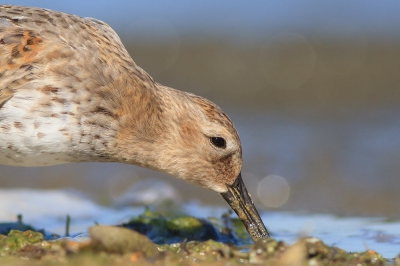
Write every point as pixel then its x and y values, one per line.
pixel 273 191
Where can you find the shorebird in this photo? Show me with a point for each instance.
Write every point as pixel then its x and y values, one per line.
pixel 70 92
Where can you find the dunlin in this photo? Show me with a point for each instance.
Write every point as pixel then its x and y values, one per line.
pixel 70 92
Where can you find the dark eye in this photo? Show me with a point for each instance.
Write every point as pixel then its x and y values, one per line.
pixel 218 142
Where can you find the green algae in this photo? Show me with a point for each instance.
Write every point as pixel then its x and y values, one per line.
pixel 16 240
pixel 167 230
pixel 184 223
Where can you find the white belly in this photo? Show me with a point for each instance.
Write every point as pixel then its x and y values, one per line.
pixel 36 136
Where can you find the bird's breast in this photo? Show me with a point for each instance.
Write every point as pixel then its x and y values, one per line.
pixel 37 130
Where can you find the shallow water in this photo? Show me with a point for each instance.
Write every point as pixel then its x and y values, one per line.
pixel 48 209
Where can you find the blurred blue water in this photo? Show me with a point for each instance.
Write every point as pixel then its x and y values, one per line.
pixel 255 19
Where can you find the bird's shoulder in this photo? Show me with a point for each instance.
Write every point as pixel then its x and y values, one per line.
pixel 37 43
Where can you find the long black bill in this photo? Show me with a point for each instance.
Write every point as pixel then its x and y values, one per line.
pixel 240 201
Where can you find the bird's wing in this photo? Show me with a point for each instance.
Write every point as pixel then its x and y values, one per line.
pixel 40 47
pixel 5 95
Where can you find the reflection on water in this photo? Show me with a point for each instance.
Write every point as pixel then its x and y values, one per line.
pixel 351 234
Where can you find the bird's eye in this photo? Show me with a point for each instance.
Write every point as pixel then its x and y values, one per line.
pixel 218 142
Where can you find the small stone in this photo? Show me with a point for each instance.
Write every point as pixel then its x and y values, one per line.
pixel 120 240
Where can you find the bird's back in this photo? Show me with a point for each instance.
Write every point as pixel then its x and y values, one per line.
pixel 31 38
pixel 54 69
